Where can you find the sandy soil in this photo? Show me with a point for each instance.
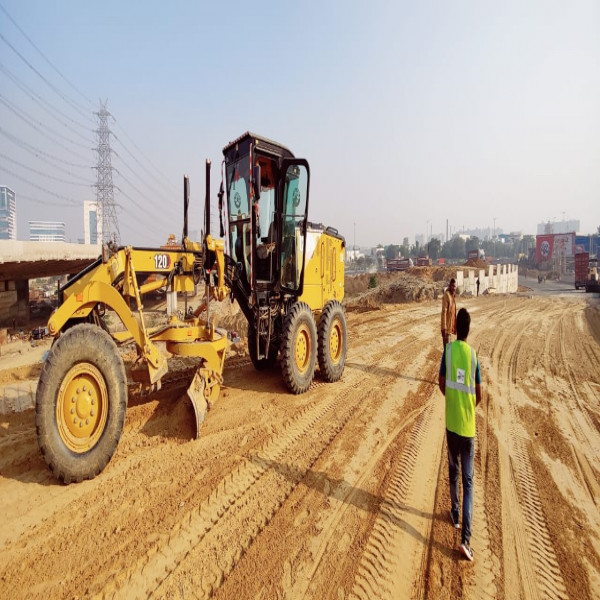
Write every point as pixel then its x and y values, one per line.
pixel 340 492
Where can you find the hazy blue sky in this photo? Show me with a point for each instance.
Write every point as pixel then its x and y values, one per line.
pixel 408 113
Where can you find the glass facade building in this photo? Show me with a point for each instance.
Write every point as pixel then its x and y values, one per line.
pixel 46 231
pixel 92 223
pixel 8 214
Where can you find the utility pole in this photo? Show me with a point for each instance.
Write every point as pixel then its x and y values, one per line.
pixel 104 184
pixel 354 244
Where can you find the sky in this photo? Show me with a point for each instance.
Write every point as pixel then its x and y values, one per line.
pixel 414 117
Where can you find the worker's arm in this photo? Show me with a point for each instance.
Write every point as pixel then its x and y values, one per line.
pixel 444 311
pixel 478 384
pixel 442 384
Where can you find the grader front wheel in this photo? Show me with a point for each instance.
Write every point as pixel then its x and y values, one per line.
pixel 299 348
pixel 80 403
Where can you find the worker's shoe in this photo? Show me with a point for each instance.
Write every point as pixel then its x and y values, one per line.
pixel 467 551
pixel 454 519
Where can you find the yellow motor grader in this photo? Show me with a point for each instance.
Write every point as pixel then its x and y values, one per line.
pixel 286 274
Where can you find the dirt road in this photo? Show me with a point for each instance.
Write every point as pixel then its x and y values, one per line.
pixel 341 492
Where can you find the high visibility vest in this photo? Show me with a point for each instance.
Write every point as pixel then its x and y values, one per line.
pixel 461 366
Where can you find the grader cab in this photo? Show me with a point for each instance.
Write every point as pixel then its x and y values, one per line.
pixel 289 273
pixel 286 274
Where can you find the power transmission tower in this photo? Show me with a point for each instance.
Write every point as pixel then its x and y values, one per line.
pixel 104 183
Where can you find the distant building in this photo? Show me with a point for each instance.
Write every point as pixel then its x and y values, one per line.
pixel 353 254
pixel 46 231
pixel 558 227
pixel 92 223
pixel 8 214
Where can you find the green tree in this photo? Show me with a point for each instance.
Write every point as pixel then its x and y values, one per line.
pixel 392 251
pixel 435 248
pixel 372 282
pixel 472 243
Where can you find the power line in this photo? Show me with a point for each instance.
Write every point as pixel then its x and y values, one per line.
pixel 41 101
pixel 45 201
pixel 36 151
pixel 148 171
pixel 17 112
pixel 20 164
pixel 44 56
pixel 73 104
pixel 39 187
pixel 32 122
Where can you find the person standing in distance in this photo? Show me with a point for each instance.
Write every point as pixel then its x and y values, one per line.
pixel 460 382
pixel 449 312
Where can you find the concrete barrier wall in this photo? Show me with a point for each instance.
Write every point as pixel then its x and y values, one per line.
pixel 496 279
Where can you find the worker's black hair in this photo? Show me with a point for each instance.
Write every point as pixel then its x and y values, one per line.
pixel 452 281
pixel 463 324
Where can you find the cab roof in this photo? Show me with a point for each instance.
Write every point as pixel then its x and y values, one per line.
pixel 260 143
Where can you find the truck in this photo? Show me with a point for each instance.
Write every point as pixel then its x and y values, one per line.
pixel 286 273
pixel 592 283
pixel 398 264
pixel 582 260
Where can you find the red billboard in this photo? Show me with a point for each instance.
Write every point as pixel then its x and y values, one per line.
pixel 551 245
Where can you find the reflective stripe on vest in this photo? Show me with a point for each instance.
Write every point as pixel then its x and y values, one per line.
pixel 453 385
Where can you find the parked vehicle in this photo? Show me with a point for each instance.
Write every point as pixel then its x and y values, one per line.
pixel 582 260
pixel 593 283
pixel 398 264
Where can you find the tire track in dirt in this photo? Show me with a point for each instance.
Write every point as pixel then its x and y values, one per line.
pixel 331 527
pixel 289 469
pixel 399 540
pixel 538 565
pixel 314 562
pixel 483 584
pixel 233 491
pixel 587 435
pixel 585 432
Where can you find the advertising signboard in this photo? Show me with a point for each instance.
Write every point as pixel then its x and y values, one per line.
pixel 551 245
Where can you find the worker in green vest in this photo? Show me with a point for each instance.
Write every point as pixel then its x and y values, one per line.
pixel 460 382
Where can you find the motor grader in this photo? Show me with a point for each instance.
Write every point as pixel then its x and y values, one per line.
pixel 286 274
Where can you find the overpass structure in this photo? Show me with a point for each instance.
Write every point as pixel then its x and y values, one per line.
pixel 22 261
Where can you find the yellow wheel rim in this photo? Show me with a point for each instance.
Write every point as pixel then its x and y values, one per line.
pixel 303 348
pixel 82 407
pixel 335 342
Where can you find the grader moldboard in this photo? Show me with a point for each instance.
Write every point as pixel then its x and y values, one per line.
pixel 286 274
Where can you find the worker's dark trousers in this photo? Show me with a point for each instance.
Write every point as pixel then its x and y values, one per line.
pixel 461 449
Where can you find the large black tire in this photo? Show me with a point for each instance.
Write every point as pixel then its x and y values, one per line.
pixel 299 348
pixel 260 363
pixel 333 341
pixel 80 403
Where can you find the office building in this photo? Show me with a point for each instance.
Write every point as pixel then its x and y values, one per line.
pixel 46 231
pixel 92 223
pixel 8 214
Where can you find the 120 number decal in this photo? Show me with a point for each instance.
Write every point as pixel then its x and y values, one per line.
pixel 162 261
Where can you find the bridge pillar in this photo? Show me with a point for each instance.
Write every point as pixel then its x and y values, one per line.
pixel 14 302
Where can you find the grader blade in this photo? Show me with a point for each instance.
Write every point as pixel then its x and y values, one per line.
pixel 196 394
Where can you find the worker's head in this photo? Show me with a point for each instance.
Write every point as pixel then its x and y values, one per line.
pixel 452 286
pixel 463 324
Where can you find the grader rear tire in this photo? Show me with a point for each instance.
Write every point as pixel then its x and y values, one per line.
pixel 80 403
pixel 299 348
pixel 333 341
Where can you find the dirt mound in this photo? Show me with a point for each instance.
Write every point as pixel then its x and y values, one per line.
pixel 476 263
pixel 405 287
